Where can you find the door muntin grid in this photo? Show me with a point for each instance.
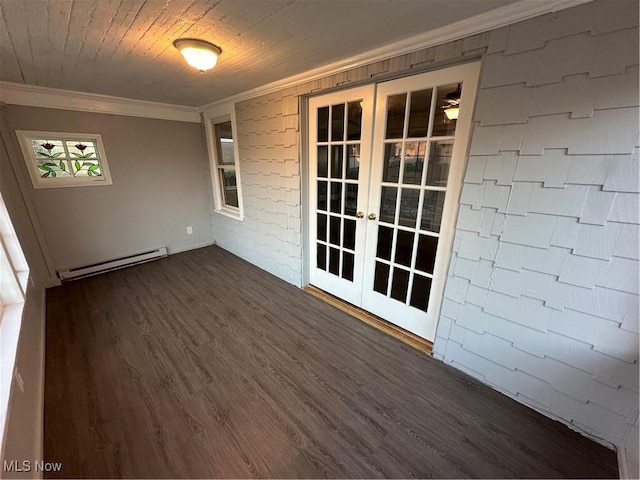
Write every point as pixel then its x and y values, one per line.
pixel 417 151
pixel 339 133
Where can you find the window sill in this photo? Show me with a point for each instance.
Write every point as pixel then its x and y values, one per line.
pixel 236 215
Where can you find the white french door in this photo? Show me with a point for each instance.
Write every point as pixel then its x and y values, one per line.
pixel 385 169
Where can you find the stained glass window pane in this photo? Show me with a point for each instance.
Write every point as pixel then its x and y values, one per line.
pixel 85 167
pixel 81 149
pixel 47 148
pixel 53 168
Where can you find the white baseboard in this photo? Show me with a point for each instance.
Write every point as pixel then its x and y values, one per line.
pixel 191 247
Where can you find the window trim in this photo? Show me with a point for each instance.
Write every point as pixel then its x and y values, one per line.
pixel 26 136
pixel 223 114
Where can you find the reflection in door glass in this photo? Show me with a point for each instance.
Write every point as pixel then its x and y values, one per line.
pixel 432 209
pixel 391 165
pixel 409 207
pixel 388 204
pixel 323 124
pixel 413 162
pixel 353 161
pixel 419 113
pixel 351 199
pixel 439 161
pixel 446 97
pixel 396 105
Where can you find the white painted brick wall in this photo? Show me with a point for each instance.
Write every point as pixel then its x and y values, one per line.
pixel 549 312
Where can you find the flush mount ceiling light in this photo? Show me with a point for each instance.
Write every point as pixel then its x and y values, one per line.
pixel 198 53
pixel 453 104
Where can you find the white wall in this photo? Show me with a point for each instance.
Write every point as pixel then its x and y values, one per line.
pixel 542 296
pixel 160 186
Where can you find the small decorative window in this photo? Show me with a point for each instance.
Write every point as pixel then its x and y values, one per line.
pixel 225 173
pixel 64 159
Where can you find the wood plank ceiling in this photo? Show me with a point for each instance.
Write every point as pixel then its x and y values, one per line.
pixel 123 47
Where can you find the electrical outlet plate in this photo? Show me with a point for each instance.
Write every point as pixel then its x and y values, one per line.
pixel 189 230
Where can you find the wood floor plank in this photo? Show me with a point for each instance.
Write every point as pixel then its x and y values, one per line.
pixel 201 365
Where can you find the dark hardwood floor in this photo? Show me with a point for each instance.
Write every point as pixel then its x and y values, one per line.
pixel 202 365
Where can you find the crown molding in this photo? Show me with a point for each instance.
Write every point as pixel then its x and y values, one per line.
pixel 33 96
pixel 500 17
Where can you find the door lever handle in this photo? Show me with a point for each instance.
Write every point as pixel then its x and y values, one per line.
pixel 359 214
pixel 372 216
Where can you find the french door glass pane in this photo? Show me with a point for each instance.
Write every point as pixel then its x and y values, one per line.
pixel 337 123
pixel 439 161
pixel 349 240
pixel 391 167
pixel 322 227
pixel 323 124
pixel 409 207
pixel 442 126
pixel 388 204
pixel 385 240
pixel 353 161
pixel 420 292
pixel 323 161
pixel 396 105
pixel 347 266
pixel 404 248
pixel 354 120
pixel 336 197
pixel 426 256
pixel 336 161
pixel 414 162
pixel 351 199
pixel 419 113
pixel 322 195
pixel 400 284
pixel 321 256
pixel 432 209
pixel 334 261
pixel 381 278
pixel 334 231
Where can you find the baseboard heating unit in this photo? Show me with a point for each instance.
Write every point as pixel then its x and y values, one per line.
pixel 108 265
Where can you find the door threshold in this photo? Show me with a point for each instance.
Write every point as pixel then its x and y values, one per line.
pixel 411 339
